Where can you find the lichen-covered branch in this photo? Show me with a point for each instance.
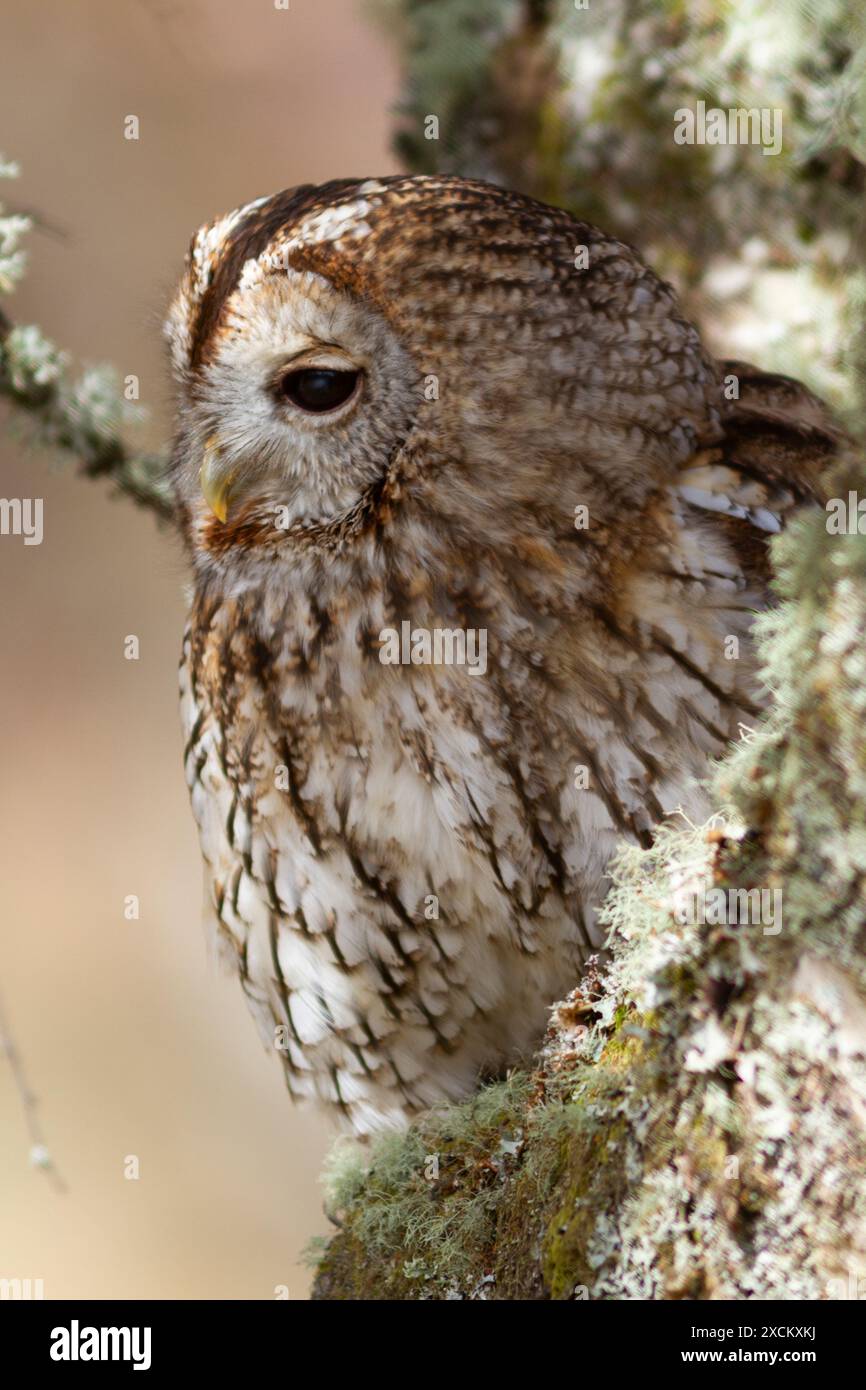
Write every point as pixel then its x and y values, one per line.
pixel 82 417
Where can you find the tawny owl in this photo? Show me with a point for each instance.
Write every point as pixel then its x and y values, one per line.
pixel 477 536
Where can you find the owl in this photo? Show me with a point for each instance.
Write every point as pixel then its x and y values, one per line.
pixel 477 528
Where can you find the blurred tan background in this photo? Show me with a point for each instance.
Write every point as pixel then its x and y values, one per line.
pixel 132 1040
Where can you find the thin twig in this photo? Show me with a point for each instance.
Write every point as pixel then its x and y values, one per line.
pixel 40 1155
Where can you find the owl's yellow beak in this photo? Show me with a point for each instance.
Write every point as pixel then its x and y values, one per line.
pixel 216 484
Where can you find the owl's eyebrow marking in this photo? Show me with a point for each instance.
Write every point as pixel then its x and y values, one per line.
pixel 247 241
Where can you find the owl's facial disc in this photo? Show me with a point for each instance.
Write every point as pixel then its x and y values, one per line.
pixel 302 404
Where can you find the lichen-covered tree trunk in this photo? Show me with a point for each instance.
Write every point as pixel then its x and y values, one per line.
pixel 695 1126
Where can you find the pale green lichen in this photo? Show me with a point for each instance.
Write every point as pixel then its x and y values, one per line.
pixel 13 257
pixel 82 417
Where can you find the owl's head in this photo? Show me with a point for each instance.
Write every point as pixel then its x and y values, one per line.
pixel 369 354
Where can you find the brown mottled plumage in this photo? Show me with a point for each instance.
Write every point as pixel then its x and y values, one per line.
pixel 404 861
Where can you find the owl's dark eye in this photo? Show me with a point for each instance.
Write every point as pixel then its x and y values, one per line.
pixel 318 389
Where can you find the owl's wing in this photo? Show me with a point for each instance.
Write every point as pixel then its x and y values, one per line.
pixel 705 570
pixel 779 439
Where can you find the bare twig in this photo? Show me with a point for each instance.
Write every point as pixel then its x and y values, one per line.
pixel 40 1155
